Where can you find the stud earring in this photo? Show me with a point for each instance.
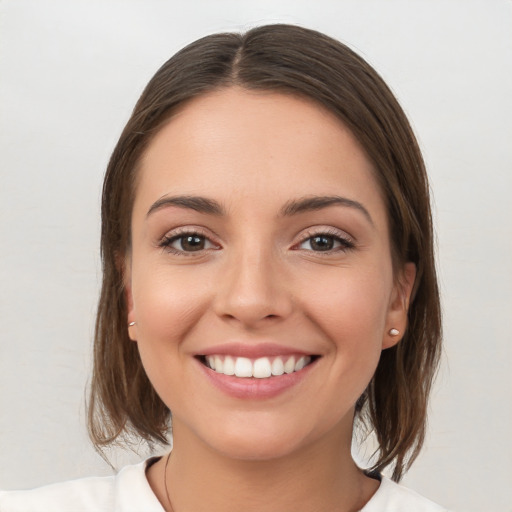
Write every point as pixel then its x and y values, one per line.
pixel 394 332
pixel 131 324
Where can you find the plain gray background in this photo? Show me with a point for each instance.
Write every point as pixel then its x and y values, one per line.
pixel 70 73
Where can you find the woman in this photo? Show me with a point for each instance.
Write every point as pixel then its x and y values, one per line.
pixel 269 279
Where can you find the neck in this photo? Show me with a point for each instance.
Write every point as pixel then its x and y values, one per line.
pixel 321 476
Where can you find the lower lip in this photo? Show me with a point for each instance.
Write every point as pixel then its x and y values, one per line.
pixel 250 388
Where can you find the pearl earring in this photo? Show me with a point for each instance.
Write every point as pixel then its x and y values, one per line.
pixel 131 324
pixel 394 332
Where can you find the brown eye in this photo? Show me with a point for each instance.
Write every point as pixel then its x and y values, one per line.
pixel 191 243
pixel 321 243
pixel 187 243
pixel 325 242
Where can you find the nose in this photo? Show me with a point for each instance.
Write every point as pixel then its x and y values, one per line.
pixel 253 290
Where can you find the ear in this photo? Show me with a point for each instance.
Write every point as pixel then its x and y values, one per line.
pixel 124 264
pixel 399 305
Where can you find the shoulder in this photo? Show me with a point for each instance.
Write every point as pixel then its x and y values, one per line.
pixel 392 497
pixel 128 491
pixel 83 495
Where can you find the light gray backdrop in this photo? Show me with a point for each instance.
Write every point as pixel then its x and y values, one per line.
pixel 70 72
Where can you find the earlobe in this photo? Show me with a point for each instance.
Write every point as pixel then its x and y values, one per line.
pixel 399 305
pixel 131 323
pixel 128 297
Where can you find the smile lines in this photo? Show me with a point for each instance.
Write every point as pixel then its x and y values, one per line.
pixel 260 368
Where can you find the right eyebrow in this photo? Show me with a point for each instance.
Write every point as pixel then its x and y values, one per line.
pixel 197 203
pixel 312 203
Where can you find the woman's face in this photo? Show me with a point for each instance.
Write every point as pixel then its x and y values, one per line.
pixel 259 245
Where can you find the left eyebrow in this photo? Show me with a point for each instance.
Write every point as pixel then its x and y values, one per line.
pixel 311 203
pixel 197 203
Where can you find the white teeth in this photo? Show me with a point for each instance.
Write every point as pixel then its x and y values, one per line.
pixel 229 366
pixel 277 366
pixel 301 363
pixel 261 368
pixel 289 366
pixel 219 364
pixel 243 367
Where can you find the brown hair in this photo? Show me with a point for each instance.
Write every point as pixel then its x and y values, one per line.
pixel 292 60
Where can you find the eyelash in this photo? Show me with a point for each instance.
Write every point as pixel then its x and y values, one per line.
pixel 345 243
pixel 168 240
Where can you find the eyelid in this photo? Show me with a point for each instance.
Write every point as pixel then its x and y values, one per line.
pixel 347 240
pixel 174 234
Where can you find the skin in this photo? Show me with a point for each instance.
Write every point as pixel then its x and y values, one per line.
pixel 259 279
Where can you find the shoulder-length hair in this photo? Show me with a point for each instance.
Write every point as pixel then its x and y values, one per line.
pixel 290 60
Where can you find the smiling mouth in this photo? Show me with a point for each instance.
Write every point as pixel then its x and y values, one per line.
pixel 260 368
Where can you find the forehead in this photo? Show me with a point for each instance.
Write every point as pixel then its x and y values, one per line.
pixel 235 142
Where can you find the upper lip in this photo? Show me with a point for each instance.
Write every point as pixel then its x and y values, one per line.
pixel 253 351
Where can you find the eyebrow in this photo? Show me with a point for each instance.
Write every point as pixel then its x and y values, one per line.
pixel 312 203
pixel 199 204
pixel 294 207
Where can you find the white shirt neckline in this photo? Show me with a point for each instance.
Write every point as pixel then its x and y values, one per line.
pixel 142 497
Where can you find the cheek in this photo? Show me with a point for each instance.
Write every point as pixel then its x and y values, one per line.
pixel 166 307
pixel 351 311
pixel 350 302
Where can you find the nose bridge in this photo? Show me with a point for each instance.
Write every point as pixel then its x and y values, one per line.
pixel 254 287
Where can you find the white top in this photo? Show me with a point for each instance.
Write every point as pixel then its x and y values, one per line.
pixel 129 491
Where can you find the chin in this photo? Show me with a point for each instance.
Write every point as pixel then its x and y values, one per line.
pixel 259 448
pixel 262 439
